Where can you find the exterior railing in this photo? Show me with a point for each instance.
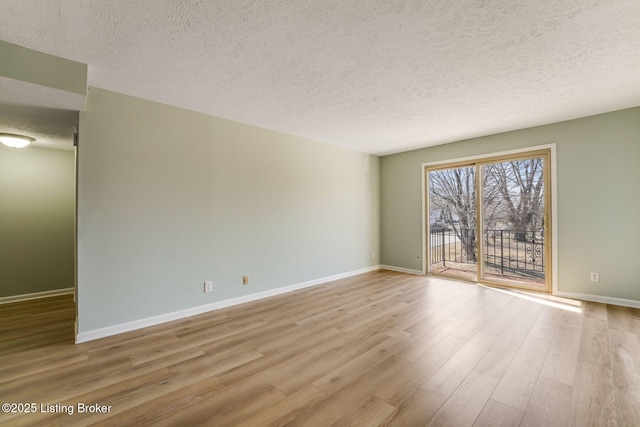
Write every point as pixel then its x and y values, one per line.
pixel 505 251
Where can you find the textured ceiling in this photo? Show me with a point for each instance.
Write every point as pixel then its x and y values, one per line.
pixel 378 76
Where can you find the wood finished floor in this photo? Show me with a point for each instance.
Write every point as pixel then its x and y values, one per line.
pixel 382 348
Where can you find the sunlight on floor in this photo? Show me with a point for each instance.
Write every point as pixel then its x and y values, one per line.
pixel 548 300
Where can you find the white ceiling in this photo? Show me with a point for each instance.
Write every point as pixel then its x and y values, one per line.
pixel 378 76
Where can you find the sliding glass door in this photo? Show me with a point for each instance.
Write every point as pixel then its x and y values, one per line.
pixel 488 220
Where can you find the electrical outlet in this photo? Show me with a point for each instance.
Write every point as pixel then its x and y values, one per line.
pixel 373 255
pixel 595 277
pixel 208 286
pixel 245 280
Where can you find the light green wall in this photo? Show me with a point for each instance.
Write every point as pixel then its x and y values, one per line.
pixel 36 220
pixel 39 68
pixel 169 198
pixel 598 173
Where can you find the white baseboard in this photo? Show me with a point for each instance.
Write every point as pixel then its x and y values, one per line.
pixel 36 295
pixel 401 269
pixel 176 315
pixel 599 298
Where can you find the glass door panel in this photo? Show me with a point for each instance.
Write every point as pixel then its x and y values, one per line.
pixel 452 242
pixel 513 228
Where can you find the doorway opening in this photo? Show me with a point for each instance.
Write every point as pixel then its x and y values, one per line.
pixel 38 281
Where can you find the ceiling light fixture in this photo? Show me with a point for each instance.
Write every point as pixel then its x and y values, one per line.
pixel 15 141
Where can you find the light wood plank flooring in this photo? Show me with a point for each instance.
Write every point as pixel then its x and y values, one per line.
pixel 383 348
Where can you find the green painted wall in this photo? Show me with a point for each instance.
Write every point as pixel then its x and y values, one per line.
pixel 169 198
pixel 598 173
pixel 36 220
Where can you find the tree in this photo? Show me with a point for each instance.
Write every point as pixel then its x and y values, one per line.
pixel 513 198
pixel 453 192
pixel 520 185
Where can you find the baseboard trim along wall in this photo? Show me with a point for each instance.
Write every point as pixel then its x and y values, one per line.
pixel 599 298
pixel 401 269
pixel 36 295
pixel 176 315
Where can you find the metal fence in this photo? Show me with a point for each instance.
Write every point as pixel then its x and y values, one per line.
pixel 505 251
